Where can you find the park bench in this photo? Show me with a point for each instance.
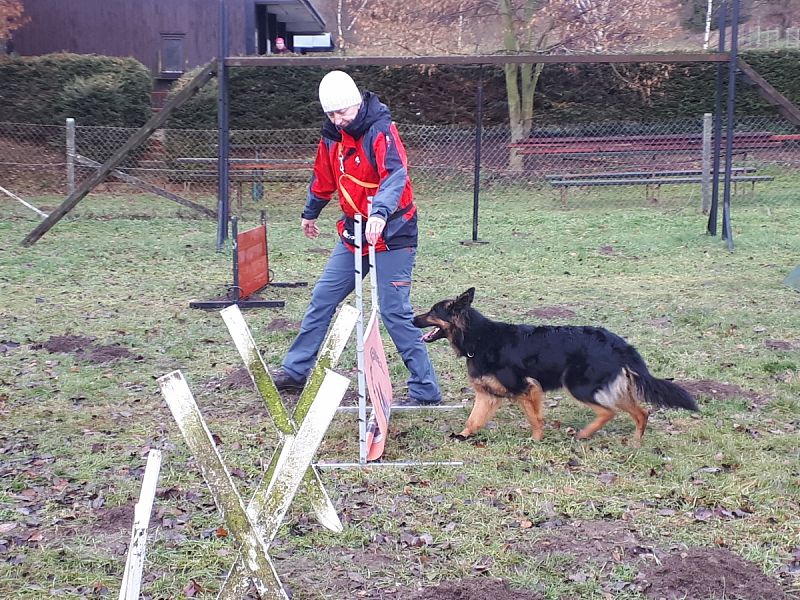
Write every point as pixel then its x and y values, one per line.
pixel 652 180
pixel 255 171
pixel 598 145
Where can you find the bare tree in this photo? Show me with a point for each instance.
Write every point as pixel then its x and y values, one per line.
pixel 508 26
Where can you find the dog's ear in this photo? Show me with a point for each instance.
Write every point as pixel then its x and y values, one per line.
pixel 464 301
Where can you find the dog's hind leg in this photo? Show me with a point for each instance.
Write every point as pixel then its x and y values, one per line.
pixel 604 415
pixel 603 401
pixel 531 403
pixel 628 402
pixel 484 408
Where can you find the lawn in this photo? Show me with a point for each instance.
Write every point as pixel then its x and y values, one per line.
pixel 707 507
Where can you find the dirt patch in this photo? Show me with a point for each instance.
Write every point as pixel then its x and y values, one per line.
pixel 547 313
pixel 718 390
pixel 706 575
pixel 343 581
pixel 101 355
pixel 281 324
pixel 599 541
pixel 235 380
pixel 663 574
pixel 474 589
pixel 84 349
pixel 606 251
pixel 65 344
pixel 111 521
pixel 779 345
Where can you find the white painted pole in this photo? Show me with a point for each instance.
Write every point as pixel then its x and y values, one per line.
pixel 707 36
pixel 707 162
pixel 44 215
pixel 71 156
pixel 362 381
pixel 373 273
pixel 134 565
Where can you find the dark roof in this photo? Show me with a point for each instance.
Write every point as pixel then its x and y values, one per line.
pixel 297 15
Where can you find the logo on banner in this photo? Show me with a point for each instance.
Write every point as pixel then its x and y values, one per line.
pixel 379 386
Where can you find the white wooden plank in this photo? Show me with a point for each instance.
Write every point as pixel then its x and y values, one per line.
pixel 44 215
pixel 134 565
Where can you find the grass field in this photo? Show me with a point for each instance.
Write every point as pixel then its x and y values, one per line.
pixel 708 507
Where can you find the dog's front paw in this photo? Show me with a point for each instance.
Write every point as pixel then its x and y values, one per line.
pixel 461 437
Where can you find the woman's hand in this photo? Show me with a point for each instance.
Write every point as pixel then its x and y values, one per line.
pixel 375 227
pixel 310 229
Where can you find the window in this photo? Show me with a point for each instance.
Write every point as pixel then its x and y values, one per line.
pixel 170 56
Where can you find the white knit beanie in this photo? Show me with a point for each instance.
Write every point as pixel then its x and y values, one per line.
pixel 337 90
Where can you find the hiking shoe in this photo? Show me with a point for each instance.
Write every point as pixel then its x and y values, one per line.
pixel 284 381
pixel 411 401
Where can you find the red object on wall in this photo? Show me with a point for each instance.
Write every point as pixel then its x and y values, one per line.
pixel 252 260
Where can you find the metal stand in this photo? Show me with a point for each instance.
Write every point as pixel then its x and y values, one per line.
pixel 362 379
pixel 235 292
pixel 476 185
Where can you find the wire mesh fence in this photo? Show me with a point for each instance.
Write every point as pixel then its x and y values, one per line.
pixel 758 37
pixel 657 163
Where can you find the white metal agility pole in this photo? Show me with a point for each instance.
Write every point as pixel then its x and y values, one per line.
pixel 44 215
pixel 362 380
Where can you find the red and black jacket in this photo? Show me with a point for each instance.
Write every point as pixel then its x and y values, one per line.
pixel 367 158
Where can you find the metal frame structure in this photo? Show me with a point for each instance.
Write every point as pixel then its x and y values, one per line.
pixel 221 66
pixel 721 58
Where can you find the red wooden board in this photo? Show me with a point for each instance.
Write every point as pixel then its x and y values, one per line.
pixel 252 260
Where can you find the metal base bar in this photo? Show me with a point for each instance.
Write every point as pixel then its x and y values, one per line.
pixel 353 409
pixel 217 304
pixel 345 465
pixel 288 284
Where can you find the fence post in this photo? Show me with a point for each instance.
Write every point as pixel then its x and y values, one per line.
pixel 70 156
pixel 706 176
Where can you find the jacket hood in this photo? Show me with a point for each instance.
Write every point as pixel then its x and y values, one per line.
pixel 372 110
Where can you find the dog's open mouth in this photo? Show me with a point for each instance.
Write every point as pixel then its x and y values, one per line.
pixel 433 335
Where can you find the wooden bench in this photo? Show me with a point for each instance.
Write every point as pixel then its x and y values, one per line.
pixel 643 143
pixel 245 170
pixel 652 180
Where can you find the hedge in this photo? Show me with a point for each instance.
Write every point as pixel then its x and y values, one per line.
pixel 102 90
pixel 94 90
pixel 268 98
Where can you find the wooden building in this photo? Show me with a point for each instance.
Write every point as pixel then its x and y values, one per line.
pixel 168 36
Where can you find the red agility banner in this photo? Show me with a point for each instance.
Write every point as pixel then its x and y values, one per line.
pixel 379 386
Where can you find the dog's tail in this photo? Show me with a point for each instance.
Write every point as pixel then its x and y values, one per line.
pixel 662 392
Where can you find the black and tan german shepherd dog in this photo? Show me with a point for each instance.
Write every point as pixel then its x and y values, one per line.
pixel 522 362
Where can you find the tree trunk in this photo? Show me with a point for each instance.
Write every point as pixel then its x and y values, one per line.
pixel 521 83
pixel 521 80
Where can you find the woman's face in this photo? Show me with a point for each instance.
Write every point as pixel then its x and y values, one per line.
pixel 344 116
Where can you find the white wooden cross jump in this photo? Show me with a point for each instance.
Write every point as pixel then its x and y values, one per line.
pixel 254 527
